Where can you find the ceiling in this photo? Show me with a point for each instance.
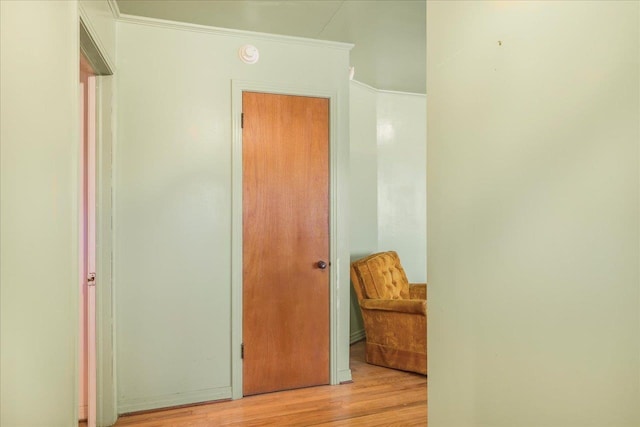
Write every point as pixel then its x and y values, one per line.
pixel 389 35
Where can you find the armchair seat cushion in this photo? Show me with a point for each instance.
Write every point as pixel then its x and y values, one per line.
pixel 411 306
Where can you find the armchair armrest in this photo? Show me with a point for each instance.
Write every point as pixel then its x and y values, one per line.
pixel 411 306
pixel 418 290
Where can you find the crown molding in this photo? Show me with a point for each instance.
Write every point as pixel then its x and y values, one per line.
pixel 115 10
pixel 364 86
pixel 98 57
pixel 226 32
pixel 392 92
pixel 397 92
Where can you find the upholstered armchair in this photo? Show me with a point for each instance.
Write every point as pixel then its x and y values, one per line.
pixel 394 313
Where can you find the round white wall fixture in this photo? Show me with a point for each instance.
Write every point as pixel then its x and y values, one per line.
pixel 249 54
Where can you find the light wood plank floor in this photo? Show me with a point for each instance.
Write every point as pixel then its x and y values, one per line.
pixel 377 397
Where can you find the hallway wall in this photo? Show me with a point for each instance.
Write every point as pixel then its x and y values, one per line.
pixel 173 200
pixel 388 181
pixel 534 218
pixel 39 78
pixel 402 176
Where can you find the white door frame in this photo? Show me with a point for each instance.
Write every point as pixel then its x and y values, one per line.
pixel 87 234
pixel 239 86
pixel 105 404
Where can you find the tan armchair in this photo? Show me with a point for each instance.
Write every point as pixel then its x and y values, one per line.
pixel 394 313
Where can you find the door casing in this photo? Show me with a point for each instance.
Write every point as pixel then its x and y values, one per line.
pixel 87 243
pixel 106 408
pixel 236 226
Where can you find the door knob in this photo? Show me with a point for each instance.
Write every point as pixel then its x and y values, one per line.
pixel 322 265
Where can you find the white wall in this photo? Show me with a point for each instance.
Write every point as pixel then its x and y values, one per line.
pixel 388 180
pixel 173 202
pixel 38 217
pixel 363 191
pixel 363 203
pixel 533 183
pixel 402 171
pixel 388 173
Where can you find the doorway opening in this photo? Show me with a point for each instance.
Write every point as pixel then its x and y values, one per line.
pixel 87 244
pixel 96 370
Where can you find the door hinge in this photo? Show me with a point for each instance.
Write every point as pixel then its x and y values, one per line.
pixel 242 120
pixel 91 279
pixel 242 351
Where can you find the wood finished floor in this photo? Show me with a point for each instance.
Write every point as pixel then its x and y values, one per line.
pixel 376 397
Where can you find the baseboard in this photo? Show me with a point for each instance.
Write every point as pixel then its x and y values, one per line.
pixel 128 406
pixel 356 336
pixel 344 376
pixel 82 412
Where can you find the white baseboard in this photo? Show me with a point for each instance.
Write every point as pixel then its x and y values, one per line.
pixel 356 336
pixel 344 376
pixel 166 401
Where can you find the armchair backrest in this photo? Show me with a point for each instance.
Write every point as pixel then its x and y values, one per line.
pixel 380 276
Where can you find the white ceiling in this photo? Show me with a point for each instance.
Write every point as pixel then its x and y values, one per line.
pixel 389 35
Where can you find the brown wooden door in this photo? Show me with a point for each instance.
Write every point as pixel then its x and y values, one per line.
pixel 285 161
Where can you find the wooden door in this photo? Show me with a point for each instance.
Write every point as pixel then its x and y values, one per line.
pixel 285 162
